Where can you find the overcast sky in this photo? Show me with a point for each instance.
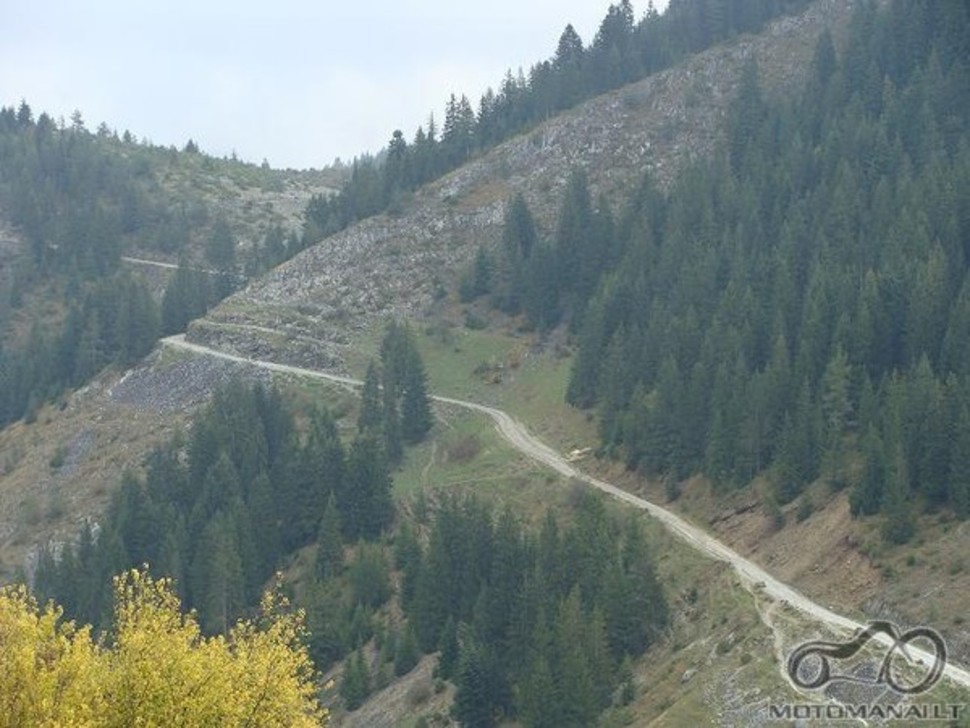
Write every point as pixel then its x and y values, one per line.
pixel 297 82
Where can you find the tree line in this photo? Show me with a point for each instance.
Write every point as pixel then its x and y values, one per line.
pixel 80 199
pixel 111 320
pixel 799 305
pixel 531 626
pixel 623 50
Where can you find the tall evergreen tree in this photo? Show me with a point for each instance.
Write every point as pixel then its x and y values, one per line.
pixel 416 414
pixel 368 507
pixel 330 548
pixel 474 705
pixel 221 247
pixel 900 521
pixel 371 414
pixel 356 683
pixel 959 481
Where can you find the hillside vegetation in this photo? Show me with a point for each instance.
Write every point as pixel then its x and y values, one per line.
pixel 801 304
pixel 747 269
pixel 155 668
pixel 80 201
pixel 623 50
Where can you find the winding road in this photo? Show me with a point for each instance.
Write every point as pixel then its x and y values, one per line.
pixel 175 266
pixel 519 437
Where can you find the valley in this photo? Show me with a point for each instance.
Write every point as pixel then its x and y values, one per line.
pixel 725 303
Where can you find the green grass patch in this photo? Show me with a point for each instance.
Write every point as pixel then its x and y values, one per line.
pixel 465 454
pixel 508 372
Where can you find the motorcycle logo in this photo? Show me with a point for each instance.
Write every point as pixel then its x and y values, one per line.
pixel 823 651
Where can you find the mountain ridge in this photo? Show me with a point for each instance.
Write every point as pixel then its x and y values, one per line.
pixel 393 265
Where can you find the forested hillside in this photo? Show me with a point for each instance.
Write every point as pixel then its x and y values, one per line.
pixel 623 50
pixel 800 306
pixel 792 311
pixel 79 200
pixel 219 511
pixel 514 612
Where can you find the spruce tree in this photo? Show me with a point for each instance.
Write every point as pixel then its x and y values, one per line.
pixel 416 415
pixel 371 413
pixel 221 247
pixel 356 683
pixel 330 548
pixel 449 650
pixel 959 480
pixel 407 559
pixel 393 442
pixel 836 409
pixel 368 508
pixel 264 515
pixel 572 668
pixel 473 705
pixel 900 523
pixel 539 697
pixel 406 654
pixel 217 580
pixel 369 576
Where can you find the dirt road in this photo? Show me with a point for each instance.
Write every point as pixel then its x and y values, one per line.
pixel 175 266
pixel 520 438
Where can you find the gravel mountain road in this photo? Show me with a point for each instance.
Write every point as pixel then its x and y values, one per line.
pixel 519 437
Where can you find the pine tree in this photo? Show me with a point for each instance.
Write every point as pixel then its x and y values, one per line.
pixel 634 605
pixel 900 524
pixel 221 247
pixel 407 559
pixel 747 114
pixel 959 480
pixel 371 414
pixel 217 581
pixel 264 515
pixel 406 654
pixel 572 668
pixel 369 576
pixel 416 415
pixel 836 408
pixel 519 235
pixel 330 548
pixel 473 702
pixel 790 479
pixel 356 683
pixel 393 440
pixel 539 697
pixel 430 607
pixel 368 508
pixel 449 650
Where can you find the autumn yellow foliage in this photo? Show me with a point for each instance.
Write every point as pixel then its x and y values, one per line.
pixel 156 669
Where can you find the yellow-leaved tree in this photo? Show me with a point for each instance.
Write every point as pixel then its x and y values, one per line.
pixel 156 669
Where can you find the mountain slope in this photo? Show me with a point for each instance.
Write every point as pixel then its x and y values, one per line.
pixel 390 265
pixel 521 439
pixel 320 309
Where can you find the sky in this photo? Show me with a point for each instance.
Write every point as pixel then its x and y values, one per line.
pixel 295 82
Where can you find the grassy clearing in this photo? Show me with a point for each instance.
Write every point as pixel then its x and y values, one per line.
pixel 507 371
pixel 465 454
